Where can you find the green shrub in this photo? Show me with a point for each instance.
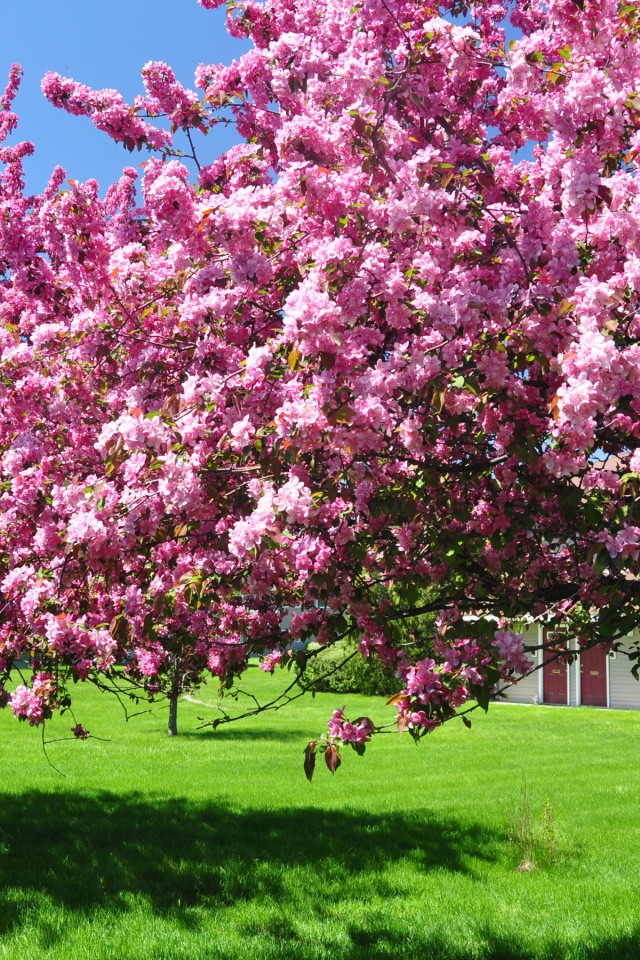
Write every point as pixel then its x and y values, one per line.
pixel 341 669
pixel 357 675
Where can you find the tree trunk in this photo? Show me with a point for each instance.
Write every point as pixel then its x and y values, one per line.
pixel 174 693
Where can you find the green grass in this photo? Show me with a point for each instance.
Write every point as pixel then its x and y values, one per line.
pixel 215 846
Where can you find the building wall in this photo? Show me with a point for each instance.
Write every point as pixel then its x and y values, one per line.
pixel 574 682
pixel 527 689
pixel 624 689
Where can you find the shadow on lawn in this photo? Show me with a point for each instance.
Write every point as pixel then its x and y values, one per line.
pixel 378 943
pixel 91 852
pixel 86 852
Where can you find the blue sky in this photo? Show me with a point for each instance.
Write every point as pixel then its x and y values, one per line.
pixel 102 43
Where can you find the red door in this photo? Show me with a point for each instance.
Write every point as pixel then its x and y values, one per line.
pixel 554 675
pixel 593 677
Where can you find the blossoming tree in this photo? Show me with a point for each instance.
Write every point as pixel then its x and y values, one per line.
pixel 373 353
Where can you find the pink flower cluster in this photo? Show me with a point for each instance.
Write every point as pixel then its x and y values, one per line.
pixel 625 543
pixel 423 681
pixel 150 659
pixel 34 703
pixel 166 95
pixel 271 661
pixel 106 108
pixel 513 659
pixel 359 731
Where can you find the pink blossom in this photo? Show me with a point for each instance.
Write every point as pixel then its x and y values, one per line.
pixel 33 703
pixel 26 705
pixel 247 533
pixel 149 661
pixel 419 720
pixel 168 96
pixel 341 728
pixel 335 723
pixel 423 680
pixel 626 542
pixel 294 498
pixel 510 647
pixel 106 108
pixel 271 661
pixel 242 433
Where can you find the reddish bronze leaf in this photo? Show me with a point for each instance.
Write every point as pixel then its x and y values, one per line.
pixel 332 758
pixel 310 760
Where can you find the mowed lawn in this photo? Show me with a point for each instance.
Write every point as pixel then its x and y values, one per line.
pixel 215 846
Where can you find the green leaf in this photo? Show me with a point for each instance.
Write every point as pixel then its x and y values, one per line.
pixel 608 628
pixel 483 697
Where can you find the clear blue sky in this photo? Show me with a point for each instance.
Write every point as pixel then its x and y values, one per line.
pixel 102 43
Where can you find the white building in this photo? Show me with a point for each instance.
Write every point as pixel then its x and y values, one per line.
pixel 598 677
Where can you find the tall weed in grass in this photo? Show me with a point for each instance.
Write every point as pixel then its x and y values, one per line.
pixel 521 830
pixel 534 834
pixel 549 841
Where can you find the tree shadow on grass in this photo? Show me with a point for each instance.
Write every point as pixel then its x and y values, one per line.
pixel 89 851
pixel 379 943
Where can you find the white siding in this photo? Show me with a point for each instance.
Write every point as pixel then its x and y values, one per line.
pixel 573 679
pixel 525 691
pixel 624 689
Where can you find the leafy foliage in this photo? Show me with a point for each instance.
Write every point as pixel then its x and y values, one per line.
pixel 339 669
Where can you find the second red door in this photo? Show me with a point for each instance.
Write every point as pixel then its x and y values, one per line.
pixel 593 677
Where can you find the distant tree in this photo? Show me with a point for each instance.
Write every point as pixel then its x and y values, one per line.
pixel 370 352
